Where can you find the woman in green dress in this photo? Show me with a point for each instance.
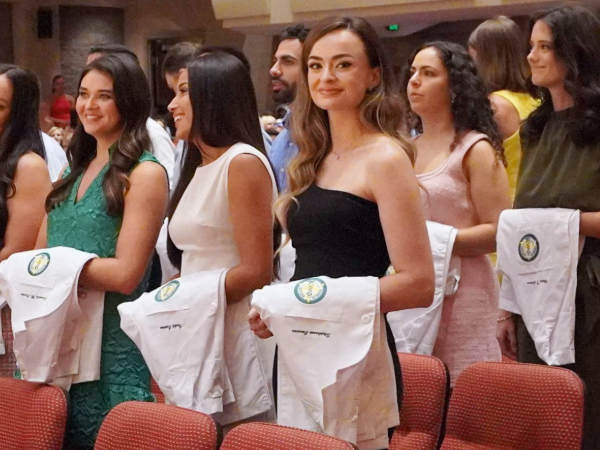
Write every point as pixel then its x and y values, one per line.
pixel 110 201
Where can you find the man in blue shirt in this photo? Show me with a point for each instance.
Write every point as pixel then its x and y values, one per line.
pixel 285 74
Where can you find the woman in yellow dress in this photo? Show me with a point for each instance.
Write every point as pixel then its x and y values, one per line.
pixel 499 50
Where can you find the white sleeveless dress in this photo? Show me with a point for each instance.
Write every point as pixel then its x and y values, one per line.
pixel 202 228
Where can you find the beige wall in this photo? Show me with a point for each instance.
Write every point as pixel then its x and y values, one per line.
pixel 144 20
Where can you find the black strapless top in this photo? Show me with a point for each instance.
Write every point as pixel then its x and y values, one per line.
pixel 336 234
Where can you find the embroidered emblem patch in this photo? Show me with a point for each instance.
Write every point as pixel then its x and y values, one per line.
pixel 529 248
pixel 38 264
pixel 310 291
pixel 167 291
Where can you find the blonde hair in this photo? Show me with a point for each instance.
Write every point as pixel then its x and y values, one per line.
pixel 53 129
pixel 381 110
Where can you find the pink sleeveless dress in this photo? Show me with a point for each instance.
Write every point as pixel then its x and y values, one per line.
pixel 467 331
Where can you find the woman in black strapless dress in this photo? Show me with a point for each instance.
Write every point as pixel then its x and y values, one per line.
pixel 353 206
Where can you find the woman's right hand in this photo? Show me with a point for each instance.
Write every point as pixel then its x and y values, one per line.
pixel 257 325
pixel 506 333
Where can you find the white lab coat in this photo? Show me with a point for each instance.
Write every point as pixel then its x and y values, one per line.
pixel 537 256
pixel 57 338
pixel 335 373
pixel 179 329
pixel 415 330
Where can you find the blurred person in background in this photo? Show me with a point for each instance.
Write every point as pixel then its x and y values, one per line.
pixel 500 53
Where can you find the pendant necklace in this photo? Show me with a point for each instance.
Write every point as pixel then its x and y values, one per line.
pixel 338 155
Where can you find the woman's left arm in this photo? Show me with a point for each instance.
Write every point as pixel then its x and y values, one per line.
pixel 26 206
pixel 250 204
pixel 490 193
pixel 589 224
pixel 144 213
pixel 393 185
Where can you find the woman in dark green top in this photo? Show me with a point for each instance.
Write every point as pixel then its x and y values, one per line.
pixel 110 201
pixel 561 169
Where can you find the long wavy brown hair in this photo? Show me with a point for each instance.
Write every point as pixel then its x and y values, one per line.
pixel 501 55
pixel 381 110
pixel 132 97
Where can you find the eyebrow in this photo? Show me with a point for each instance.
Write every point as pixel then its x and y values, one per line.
pixel 342 55
pixel 423 67
pixel 104 91
pixel 180 85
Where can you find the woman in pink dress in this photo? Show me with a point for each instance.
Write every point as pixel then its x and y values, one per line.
pixel 461 168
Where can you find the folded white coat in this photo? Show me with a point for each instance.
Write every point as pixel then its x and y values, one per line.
pixel 179 329
pixel 415 330
pixel 538 252
pixel 57 337
pixel 335 372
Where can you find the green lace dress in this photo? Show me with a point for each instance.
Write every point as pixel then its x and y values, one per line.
pixel 85 225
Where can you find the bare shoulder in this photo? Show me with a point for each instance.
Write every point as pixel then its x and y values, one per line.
pixel 502 107
pixel 31 174
pixel 148 171
pixel 481 158
pixel 387 154
pixel 31 164
pixel 480 152
pixel 506 115
pixel 389 170
pixel 247 165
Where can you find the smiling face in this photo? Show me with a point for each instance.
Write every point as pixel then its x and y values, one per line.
pixel 97 108
pixel 181 106
pixel 339 73
pixel 547 70
pixel 428 88
pixel 6 94
pixel 285 71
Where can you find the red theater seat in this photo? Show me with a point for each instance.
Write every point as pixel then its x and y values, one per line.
pixel 266 436
pixel 32 416
pixel 515 407
pixel 426 383
pixel 152 426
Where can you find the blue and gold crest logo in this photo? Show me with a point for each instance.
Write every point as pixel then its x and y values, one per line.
pixel 38 264
pixel 310 291
pixel 529 248
pixel 167 291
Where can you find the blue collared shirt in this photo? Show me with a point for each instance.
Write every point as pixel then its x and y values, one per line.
pixel 283 150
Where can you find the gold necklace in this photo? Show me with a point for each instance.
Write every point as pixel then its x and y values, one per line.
pixel 338 155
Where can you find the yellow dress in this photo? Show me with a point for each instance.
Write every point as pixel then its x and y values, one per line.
pixel 525 104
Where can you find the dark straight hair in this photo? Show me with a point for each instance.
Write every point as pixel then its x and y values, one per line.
pixel 113 49
pixel 217 80
pixel 179 56
pixel 132 97
pixel 56 77
pixel 576 33
pixel 21 133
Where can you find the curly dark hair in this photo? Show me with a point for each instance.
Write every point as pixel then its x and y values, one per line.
pixel 298 31
pixel 471 109
pixel 576 34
